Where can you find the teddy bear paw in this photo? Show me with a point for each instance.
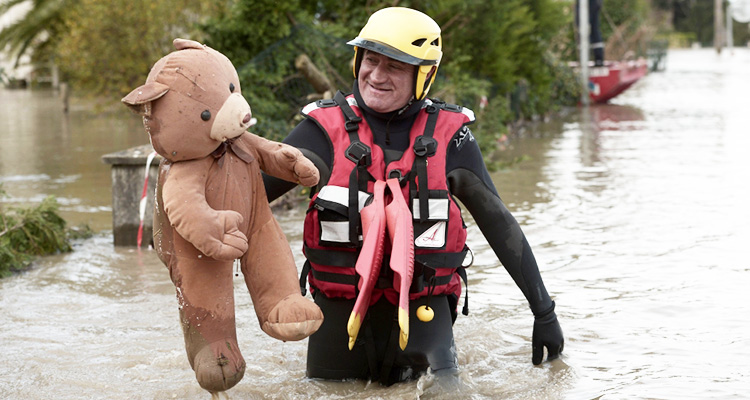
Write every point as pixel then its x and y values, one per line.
pixel 307 173
pixel 293 318
pixel 219 366
pixel 227 242
pixel 304 170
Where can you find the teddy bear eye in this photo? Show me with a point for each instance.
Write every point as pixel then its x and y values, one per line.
pixel 231 87
pixel 206 115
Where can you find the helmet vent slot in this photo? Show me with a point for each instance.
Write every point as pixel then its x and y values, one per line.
pixel 419 42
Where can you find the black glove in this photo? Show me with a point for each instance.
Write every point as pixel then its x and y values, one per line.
pixel 547 332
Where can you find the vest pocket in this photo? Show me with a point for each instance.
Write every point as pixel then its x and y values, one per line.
pixel 332 208
pixel 431 232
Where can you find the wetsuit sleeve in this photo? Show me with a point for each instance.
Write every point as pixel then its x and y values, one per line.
pixel 470 182
pixel 310 139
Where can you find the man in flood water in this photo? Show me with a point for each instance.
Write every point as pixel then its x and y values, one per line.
pixel 383 237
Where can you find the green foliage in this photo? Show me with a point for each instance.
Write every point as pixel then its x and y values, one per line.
pixel 632 13
pixel 492 37
pixel 108 48
pixel 695 20
pixel 249 27
pixel 695 17
pixel 29 232
pixel 37 32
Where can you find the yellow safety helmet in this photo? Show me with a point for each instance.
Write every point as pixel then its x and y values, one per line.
pixel 405 35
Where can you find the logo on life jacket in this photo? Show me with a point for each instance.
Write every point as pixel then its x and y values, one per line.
pixel 434 236
pixel 463 136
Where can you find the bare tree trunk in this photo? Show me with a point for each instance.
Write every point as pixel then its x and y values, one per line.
pixel 317 79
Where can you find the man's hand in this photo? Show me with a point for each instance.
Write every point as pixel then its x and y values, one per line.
pixel 547 333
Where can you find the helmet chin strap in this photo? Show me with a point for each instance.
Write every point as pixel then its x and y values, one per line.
pixel 407 105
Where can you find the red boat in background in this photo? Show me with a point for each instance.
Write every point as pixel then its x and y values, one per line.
pixel 614 77
pixel 611 79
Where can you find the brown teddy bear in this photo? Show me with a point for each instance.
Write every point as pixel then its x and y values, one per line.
pixel 211 209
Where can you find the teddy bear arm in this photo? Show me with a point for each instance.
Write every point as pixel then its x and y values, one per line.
pixel 283 161
pixel 214 232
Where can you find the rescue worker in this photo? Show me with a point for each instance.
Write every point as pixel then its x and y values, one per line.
pixel 389 282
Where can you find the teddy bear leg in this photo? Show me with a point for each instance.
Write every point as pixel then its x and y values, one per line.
pixel 271 278
pixel 206 300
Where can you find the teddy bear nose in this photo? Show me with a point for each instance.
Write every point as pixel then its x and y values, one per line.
pixel 247 118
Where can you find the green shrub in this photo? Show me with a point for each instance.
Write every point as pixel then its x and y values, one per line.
pixel 29 232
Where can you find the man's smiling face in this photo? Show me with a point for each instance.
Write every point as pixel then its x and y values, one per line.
pixel 384 83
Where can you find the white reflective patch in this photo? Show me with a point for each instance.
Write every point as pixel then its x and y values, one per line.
pixel 310 108
pixel 432 237
pixel 469 113
pixel 334 231
pixel 438 209
pixel 306 110
pixel 340 195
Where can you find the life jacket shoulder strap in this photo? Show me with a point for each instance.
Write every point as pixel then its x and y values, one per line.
pixel 361 155
pixel 351 119
pixel 425 146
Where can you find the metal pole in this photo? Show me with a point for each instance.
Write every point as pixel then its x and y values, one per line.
pixel 583 39
pixel 718 28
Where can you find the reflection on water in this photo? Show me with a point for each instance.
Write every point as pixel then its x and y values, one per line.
pixel 45 152
pixel 637 212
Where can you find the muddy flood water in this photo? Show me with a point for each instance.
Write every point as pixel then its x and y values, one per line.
pixel 638 213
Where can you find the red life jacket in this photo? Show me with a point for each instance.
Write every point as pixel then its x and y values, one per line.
pixel 332 231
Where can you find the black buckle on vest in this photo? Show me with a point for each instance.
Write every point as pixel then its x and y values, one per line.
pixel 452 107
pixel 359 153
pixel 325 103
pixel 351 125
pixel 425 146
pixel 396 173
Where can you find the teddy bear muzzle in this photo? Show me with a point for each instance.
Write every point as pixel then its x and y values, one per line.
pixel 233 118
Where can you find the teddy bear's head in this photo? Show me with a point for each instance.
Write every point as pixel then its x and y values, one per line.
pixel 191 102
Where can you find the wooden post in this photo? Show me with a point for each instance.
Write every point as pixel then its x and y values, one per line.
pixel 128 172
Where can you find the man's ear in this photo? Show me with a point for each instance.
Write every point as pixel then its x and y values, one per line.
pixel 432 72
pixel 138 99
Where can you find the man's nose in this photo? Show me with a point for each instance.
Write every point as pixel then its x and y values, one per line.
pixel 379 73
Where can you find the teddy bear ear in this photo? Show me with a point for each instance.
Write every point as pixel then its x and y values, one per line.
pixel 182 44
pixel 140 96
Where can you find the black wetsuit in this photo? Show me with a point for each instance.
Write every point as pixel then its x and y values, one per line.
pixel 469 181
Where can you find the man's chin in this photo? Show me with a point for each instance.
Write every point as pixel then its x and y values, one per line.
pixel 378 104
